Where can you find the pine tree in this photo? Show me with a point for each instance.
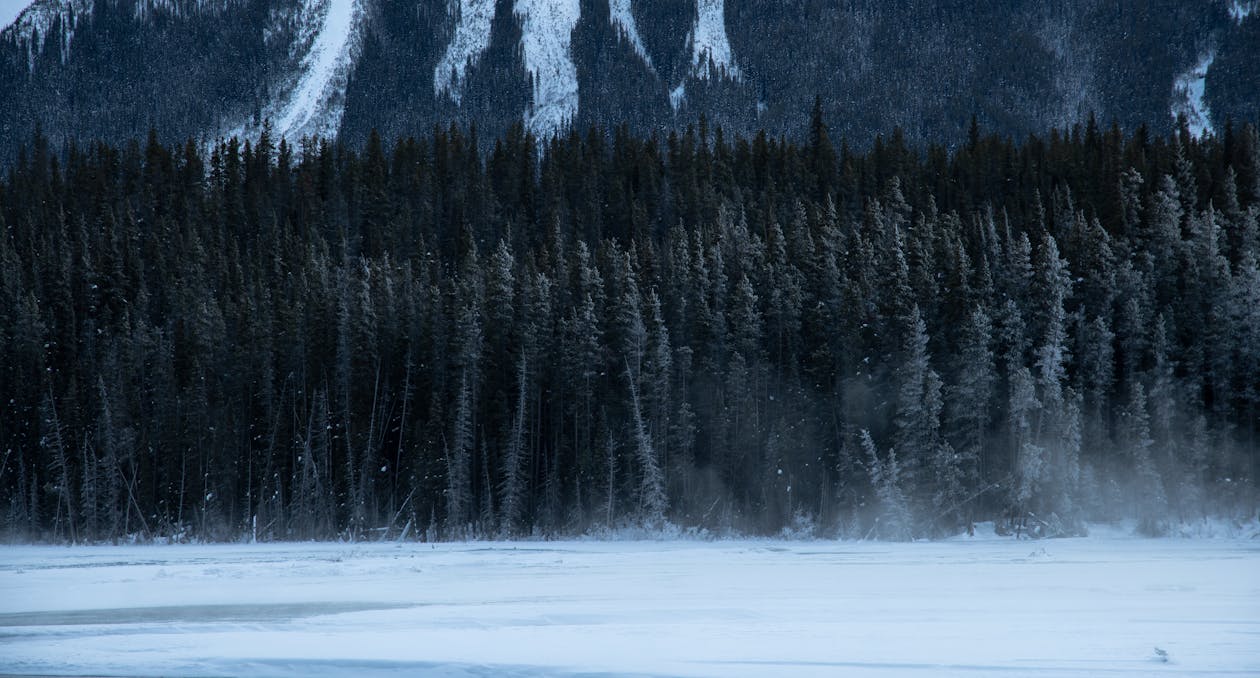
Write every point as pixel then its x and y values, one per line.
pixel 313 340
pixel 930 464
pixel 53 445
pixel 894 519
pixel 1147 487
pixel 651 492
pixel 1028 458
pixel 512 501
pixel 459 498
pixel 970 401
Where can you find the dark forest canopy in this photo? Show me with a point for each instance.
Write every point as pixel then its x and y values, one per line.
pixel 448 340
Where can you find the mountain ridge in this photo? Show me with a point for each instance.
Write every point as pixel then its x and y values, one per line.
pixel 205 69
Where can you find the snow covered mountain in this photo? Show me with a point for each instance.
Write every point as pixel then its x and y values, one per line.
pixel 209 68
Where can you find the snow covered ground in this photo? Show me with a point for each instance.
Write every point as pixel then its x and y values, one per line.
pixel 983 606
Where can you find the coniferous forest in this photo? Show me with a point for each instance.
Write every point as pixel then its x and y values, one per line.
pixel 449 337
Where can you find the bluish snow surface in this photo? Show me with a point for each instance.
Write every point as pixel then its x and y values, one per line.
pixel 995 607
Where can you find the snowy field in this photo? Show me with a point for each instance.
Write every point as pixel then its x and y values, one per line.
pixel 1077 607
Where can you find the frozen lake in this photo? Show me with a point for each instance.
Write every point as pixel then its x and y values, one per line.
pixel 1077 607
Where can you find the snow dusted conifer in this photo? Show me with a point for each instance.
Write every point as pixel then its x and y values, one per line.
pixel 459 498
pixel 52 443
pixel 628 317
pixel 1029 458
pixel 746 323
pixel 918 415
pixel 893 521
pixel 1018 269
pixel 1057 435
pixel 1055 285
pixel 1148 487
pixel 971 394
pixel 1130 190
pixel 1201 467
pixel 1163 395
pixel 1245 317
pixel 656 379
pixel 950 472
pixel 1096 374
pixel 312 509
pixel 103 469
pixel 914 425
pixel 652 500
pixel 512 500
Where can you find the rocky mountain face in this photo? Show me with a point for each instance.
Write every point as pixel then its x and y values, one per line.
pixel 203 69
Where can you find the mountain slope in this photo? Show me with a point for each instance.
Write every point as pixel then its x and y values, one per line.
pixel 202 68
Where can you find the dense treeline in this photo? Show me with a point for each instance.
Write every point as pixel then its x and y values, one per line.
pixel 445 339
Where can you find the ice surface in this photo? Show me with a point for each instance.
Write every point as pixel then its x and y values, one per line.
pixel 710 47
pixel 622 18
pixel 546 37
pixel 997 607
pixel 1188 91
pixel 472 37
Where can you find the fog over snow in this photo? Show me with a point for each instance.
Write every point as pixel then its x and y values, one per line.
pixel 997 607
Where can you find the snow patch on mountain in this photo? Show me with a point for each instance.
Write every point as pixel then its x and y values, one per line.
pixel 1187 96
pixel 32 25
pixel 677 96
pixel 326 47
pixel 710 47
pixel 623 20
pixel 1239 10
pixel 316 104
pixel 472 36
pixel 546 37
